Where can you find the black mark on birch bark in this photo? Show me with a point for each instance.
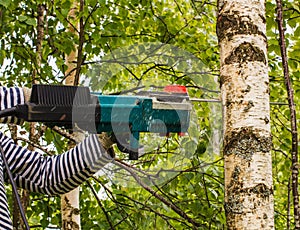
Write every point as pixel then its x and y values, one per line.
pixel 235 182
pixel 249 105
pixel 246 52
pixel 236 196
pixel 230 24
pixel 245 142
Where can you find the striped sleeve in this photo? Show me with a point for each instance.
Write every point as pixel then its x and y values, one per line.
pixel 55 174
pixel 10 97
pixel 5 220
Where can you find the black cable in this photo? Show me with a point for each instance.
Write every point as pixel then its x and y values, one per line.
pixel 14 187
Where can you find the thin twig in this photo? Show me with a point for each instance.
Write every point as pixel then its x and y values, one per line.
pixel 33 144
pixel 100 204
pixel 64 133
pixel 288 218
pixel 171 205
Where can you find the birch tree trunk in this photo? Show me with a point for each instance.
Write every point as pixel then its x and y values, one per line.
pixel 70 201
pixel 245 96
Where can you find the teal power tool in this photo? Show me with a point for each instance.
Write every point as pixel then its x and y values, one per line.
pixel 122 115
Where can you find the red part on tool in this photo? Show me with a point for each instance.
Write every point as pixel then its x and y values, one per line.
pixel 181 134
pixel 175 89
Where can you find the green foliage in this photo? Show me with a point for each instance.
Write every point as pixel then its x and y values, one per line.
pixel 120 52
pixel 280 115
pixel 132 30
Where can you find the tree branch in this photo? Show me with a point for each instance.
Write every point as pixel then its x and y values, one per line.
pixel 171 205
pixel 101 206
pixel 80 58
pixel 293 119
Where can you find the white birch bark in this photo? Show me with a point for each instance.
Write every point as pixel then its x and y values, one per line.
pixel 70 210
pixel 70 201
pixel 245 97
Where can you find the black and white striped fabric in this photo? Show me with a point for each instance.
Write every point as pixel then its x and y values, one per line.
pixel 10 97
pixel 45 174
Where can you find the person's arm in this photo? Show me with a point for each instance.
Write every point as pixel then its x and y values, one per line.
pixel 54 174
pixel 10 97
pixel 45 174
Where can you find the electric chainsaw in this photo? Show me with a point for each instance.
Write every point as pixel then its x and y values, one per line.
pixel 123 115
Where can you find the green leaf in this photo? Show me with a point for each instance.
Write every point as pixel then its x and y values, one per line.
pixel 31 21
pixel 5 3
pixel 22 18
pixel 297 32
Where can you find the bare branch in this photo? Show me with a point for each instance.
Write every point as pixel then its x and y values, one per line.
pixel 293 120
pixel 173 206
